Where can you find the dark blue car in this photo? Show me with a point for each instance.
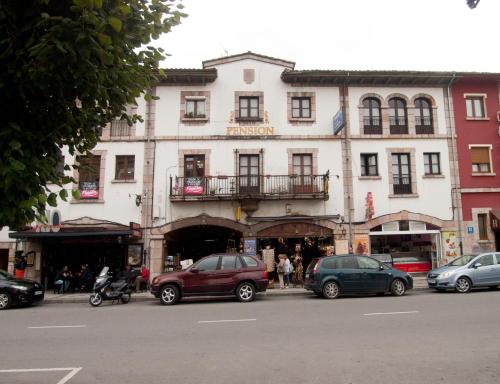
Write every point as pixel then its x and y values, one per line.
pixel 332 276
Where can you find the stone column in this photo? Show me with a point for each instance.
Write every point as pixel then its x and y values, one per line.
pixel 156 255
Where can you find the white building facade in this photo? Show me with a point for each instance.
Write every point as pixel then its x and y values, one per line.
pixel 242 154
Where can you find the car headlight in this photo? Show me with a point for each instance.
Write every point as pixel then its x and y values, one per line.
pixel 446 274
pixel 20 287
pixel 155 280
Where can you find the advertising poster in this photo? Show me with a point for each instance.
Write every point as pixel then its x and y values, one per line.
pixel 193 186
pixel 361 244
pixel 250 247
pixel 450 246
pixel 341 247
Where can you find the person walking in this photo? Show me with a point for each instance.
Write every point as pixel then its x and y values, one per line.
pixel 281 270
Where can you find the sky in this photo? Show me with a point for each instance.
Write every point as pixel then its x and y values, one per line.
pixel 341 34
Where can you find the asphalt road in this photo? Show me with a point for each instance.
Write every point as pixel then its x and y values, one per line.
pixel 424 337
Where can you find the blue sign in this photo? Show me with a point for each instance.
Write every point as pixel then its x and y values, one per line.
pixel 250 246
pixel 470 229
pixel 338 122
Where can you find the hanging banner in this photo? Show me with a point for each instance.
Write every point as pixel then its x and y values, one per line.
pixel 450 246
pixel 369 209
pixel 250 246
pixel 89 190
pixel 361 244
pixel 193 186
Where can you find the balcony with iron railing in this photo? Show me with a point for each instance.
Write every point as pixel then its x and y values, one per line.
pixel 264 187
pixel 120 128
pixel 398 125
pixel 372 126
pixel 402 185
pixel 423 125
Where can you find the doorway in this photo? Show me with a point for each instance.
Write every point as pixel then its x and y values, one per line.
pixel 4 259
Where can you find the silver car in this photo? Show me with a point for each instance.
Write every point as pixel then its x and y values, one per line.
pixel 467 272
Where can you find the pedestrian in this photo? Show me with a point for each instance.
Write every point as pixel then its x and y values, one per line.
pixel 288 272
pixel 298 270
pixel 62 280
pixel 281 270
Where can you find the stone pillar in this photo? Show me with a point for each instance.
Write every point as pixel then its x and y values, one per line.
pixel 156 255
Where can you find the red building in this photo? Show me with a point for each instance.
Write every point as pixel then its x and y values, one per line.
pixel 476 104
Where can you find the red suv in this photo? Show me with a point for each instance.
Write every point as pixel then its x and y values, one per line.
pixel 226 274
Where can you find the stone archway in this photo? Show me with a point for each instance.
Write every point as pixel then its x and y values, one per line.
pixel 404 215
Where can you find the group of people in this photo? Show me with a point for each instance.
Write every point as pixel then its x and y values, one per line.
pixel 289 271
pixel 83 280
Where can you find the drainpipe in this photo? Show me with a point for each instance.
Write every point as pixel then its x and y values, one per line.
pixel 456 192
pixel 348 161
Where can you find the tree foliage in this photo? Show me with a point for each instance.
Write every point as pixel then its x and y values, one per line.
pixel 68 67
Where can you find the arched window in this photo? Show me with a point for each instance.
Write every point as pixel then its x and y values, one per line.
pixel 398 120
pixel 371 116
pixel 56 218
pixel 423 116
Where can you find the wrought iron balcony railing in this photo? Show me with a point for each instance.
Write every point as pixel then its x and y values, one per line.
pixel 372 126
pixel 423 125
pixel 262 187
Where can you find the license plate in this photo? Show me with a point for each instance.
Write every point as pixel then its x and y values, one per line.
pixel 38 292
pixel 307 275
pixel 431 281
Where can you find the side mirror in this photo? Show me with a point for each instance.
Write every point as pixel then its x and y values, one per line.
pixel 381 268
pixel 477 265
pixel 194 270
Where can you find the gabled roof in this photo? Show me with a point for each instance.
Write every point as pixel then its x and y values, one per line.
pixel 248 55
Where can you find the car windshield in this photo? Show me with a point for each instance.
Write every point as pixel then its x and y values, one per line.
pixel 5 275
pixel 460 261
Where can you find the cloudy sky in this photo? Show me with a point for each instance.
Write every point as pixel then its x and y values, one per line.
pixel 341 34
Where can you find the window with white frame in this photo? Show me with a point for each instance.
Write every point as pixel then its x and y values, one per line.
pixel 195 108
pixel 474 106
pixel 481 159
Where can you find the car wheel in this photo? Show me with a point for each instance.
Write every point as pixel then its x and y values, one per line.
pixel 125 298
pixel 463 285
pixel 493 287
pixel 169 295
pixel 398 287
pixel 245 292
pixel 95 299
pixel 5 300
pixel 331 290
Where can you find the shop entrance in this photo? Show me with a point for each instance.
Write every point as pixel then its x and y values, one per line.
pixel 4 259
pixel 190 244
pixel 75 252
pixel 413 246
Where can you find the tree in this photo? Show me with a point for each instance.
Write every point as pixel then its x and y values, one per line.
pixel 68 67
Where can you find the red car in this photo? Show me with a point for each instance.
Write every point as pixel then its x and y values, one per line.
pixel 226 274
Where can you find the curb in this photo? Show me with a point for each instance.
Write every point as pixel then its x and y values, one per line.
pixel 268 293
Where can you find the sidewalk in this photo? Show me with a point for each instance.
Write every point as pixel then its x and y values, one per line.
pixel 419 283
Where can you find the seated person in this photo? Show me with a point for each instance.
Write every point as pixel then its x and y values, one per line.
pixel 143 278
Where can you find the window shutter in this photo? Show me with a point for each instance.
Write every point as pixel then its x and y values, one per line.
pixel 480 155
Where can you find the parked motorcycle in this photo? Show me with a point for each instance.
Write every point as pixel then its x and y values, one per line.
pixel 107 289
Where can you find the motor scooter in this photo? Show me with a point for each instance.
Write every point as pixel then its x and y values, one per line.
pixel 106 289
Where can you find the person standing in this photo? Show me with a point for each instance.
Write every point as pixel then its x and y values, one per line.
pixel 281 270
pixel 288 272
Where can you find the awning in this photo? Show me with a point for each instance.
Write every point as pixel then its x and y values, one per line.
pixel 495 219
pixel 65 234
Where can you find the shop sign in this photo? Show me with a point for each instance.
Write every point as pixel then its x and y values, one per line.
pixel 89 190
pixel 235 129
pixel 361 246
pixel 338 122
pixel 450 246
pixel 193 186
pixel 470 229
pixel 47 228
pixel 250 246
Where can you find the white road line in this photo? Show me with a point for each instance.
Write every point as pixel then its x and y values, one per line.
pixel 65 379
pixel 388 313
pixel 225 321
pixel 58 326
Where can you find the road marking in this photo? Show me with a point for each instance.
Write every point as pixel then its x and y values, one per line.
pixel 65 379
pixel 58 326
pixel 224 321
pixel 389 313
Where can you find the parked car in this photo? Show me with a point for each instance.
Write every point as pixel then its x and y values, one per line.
pixel 224 274
pixel 467 272
pixel 332 276
pixel 18 291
